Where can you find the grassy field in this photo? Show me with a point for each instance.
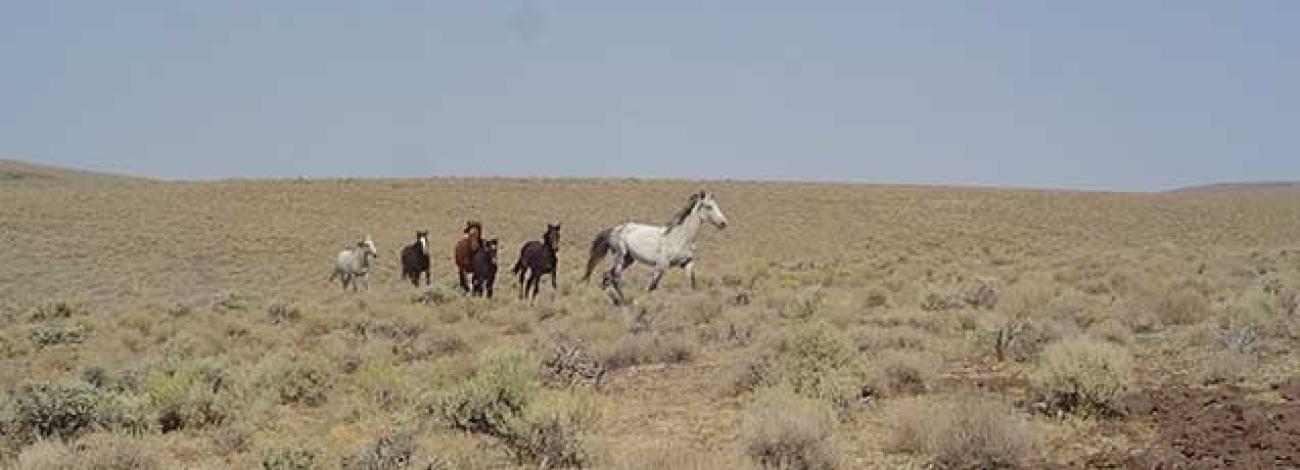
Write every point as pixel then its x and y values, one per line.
pixel 169 325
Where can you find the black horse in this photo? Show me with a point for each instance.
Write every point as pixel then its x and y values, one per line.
pixel 485 269
pixel 537 258
pixel 415 260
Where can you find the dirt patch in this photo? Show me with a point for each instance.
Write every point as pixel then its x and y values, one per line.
pixel 1212 428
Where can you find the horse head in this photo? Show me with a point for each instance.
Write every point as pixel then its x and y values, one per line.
pixel 552 237
pixel 422 237
pixel 712 212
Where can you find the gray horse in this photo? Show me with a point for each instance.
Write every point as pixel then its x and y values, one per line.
pixel 353 264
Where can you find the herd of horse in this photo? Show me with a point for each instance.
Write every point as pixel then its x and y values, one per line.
pixel 662 247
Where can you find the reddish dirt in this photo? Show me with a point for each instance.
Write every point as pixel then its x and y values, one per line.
pixel 1212 428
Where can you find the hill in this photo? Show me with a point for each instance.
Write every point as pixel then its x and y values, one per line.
pixel 21 172
pixel 1243 186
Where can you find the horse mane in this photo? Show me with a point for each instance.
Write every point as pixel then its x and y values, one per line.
pixel 685 212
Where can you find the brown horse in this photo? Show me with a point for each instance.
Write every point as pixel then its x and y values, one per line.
pixel 470 241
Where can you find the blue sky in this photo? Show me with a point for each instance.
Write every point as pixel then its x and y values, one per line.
pixel 1121 95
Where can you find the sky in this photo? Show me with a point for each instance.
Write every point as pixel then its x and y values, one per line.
pixel 1111 95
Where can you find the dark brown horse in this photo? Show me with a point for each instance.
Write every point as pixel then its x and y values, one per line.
pixel 537 258
pixel 471 240
pixel 415 260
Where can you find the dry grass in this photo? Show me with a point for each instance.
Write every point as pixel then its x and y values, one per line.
pixel 197 315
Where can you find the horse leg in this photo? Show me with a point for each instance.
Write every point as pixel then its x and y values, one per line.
pixel 534 281
pixel 654 278
pixel 690 272
pixel 461 277
pixel 523 288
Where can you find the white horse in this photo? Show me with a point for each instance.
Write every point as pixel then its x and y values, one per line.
pixel 661 247
pixel 353 264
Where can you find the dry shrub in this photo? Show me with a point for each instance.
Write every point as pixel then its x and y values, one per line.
pixel 804 304
pixel 302 380
pixel 783 430
pixel 1084 376
pixel 1021 339
pixel 93 452
pixel 1181 306
pixel 899 373
pixel 648 348
pixel 298 456
pixel 964 431
pixel 438 342
pixel 42 410
pixel 814 360
pixel 188 394
pixel 570 364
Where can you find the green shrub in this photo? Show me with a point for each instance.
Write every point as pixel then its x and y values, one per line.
pixel 813 360
pixel 44 410
pixel 56 309
pixel 556 433
pixel 1084 376
pixel 783 430
pixel 498 392
pixel 296 380
pixel 965 431
pixel 187 395
pixel 291 457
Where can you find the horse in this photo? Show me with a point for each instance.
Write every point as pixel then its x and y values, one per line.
pixel 354 263
pixel 485 269
pixel 537 258
pixel 415 260
pixel 471 240
pixel 661 247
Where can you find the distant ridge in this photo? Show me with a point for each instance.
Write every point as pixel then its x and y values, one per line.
pixel 1243 186
pixel 21 172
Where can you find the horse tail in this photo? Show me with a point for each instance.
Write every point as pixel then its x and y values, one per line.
pixel 599 248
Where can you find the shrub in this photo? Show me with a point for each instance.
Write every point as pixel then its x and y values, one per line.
pixel 1225 367
pixel 283 313
pixel 296 380
pixel 876 297
pixel 556 433
pixel 186 395
pixel 648 348
pixel 291 457
pixel 388 452
pixel 94 452
pixel 570 364
pixel 804 304
pixel 813 360
pixel 52 334
pixel 498 392
pixel 905 373
pixel 1182 306
pixel 1112 331
pixel 787 431
pixel 935 301
pixel 965 431
pixel 1084 376
pixel 383 383
pixel 44 410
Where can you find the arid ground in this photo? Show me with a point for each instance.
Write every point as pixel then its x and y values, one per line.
pixel 151 324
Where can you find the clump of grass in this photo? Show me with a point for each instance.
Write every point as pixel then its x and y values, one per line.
pixel 283 313
pixel 1112 331
pixel 56 309
pixel 813 360
pixel 390 451
pixel 963 431
pixel 1225 367
pixel 1084 376
pixel 783 430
